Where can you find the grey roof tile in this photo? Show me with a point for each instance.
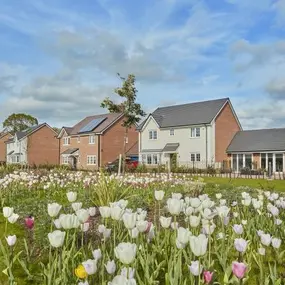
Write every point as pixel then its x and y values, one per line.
pixel 196 113
pixel 170 147
pixel 258 141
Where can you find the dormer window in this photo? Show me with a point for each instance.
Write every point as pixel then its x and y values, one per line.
pixel 152 134
pixel 92 139
pixel 66 140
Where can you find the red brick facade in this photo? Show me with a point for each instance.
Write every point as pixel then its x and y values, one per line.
pixel 43 147
pixel 107 147
pixel 226 126
pixel 3 153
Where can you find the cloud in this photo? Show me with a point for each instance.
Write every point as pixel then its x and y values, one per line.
pixel 279 7
pixel 276 88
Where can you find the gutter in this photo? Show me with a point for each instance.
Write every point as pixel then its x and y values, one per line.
pixel 206 145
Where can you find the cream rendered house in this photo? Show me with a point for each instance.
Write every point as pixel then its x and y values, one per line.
pixel 198 133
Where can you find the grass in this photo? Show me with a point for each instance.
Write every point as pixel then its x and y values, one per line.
pixel 276 185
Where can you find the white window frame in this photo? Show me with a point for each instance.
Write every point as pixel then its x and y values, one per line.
pixel 92 139
pixel 193 132
pixel 151 134
pixel 66 141
pixel 152 160
pixel 171 132
pixel 195 154
pixel 65 160
pixel 91 160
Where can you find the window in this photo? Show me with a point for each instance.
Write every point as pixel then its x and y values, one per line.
pixel 92 139
pixel 248 161
pixel 152 135
pixel 143 158
pixel 78 139
pixel 198 157
pixel 171 132
pixel 234 162
pixel 195 157
pixel 149 159
pixel 17 158
pixel 66 140
pixel 91 159
pixel 154 159
pixel 263 160
pixel 65 159
pixel 195 132
pixel 279 162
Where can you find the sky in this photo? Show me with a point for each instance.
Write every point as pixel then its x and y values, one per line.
pixel 60 58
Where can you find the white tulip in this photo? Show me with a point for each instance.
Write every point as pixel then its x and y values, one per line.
pixel 198 244
pixel 238 229
pixel 165 222
pixel 71 196
pixel 122 280
pixel 105 212
pixel 223 202
pixel 56 238
pixel 261 251
pixel 97 254
pixel 177 196
pixel 219 196
pixel 83 283
pixel 129 220
pixel 116 213
pixel 194 221
pixel 240 245
pixel 126 252
pixel 101 229
pixel 174 225
pixel 223 211
pixel 189 211
pixel 174 206
pixel 159 195
pixel 53 209
pixel 110 267
pixel 208 229
pixel 195 202
pixel 265 239
pixel 142 226
pixel 195 268
pixel 134 233
pixel 92 211
pixel 107 233
pixel 276 242
pixel 76 206
pixel 13 218
pixel 69 221
pixel 11 240
pixel 277 222
pixel 83 215
pixel 90 266
pixel 183 235
pixel 85 227
pixel 7 212
pixel 57 223
pixel 128 272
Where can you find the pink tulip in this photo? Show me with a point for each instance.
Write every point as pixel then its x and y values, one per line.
pixel 29 222
pixel 239 269
pixel 149 225
pixel 208 276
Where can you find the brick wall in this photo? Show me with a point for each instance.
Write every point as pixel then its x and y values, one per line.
pixel 3 147
pixel 84 149
pixel 226 127
pixel 112 142
pixel 43 147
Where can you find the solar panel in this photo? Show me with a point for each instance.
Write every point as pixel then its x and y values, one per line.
pixel 92 125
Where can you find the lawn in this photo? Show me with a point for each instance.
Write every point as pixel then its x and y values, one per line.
pixel 156 230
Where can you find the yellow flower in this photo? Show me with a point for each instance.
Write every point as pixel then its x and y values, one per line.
pixel 80 272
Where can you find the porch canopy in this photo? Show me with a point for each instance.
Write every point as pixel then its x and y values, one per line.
pixel 170 147
pixel 70 152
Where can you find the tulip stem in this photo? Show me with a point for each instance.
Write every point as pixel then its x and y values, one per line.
pixel 6 226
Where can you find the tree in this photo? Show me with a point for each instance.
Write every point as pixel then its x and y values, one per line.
pixel 19 122
pixel 132 111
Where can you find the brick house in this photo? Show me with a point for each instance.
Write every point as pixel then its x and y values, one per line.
pixel 35 146
pixel 258 149
pixel 95 141
pixel 196 133
pixel 3 138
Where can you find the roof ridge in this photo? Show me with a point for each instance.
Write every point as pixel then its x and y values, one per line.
pixel 265 129
pixel 196 102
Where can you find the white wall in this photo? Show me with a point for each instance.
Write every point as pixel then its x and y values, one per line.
pixel 18 147
pixel 182 136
